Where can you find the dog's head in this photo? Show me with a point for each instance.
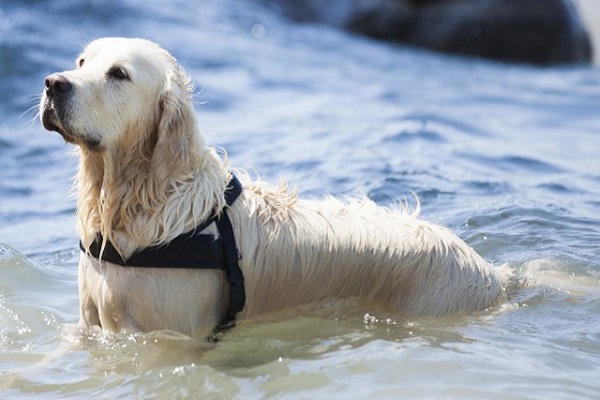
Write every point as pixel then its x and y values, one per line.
pixel 123 92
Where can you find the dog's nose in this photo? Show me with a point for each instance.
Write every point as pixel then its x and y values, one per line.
pixel 57 85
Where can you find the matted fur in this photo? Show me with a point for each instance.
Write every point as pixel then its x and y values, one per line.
pixel 146 176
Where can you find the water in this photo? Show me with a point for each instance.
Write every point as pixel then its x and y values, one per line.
pixel 505 155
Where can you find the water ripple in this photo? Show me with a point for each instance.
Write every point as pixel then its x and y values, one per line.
pixel 511 164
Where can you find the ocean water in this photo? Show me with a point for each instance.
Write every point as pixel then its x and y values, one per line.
pixel 508 156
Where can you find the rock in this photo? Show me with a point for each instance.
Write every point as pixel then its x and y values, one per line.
pixel 529 31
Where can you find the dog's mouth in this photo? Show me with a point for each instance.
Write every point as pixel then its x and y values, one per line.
pixel 53 122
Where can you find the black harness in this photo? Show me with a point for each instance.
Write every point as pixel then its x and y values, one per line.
pixel 193 250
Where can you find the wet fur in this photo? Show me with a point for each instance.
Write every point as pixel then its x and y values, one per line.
pixel 151 178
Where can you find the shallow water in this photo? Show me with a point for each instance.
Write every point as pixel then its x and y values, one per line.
pixel 505 155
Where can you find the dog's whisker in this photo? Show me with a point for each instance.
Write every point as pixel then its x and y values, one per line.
pixel 35 107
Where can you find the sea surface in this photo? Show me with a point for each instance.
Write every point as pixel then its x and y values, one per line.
pixel 508 156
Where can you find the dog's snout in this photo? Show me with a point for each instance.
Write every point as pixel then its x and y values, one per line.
pixel 57 85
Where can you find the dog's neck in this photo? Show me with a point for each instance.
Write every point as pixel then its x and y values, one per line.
pixel 123 196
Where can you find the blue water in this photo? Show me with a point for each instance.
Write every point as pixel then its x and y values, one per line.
pixel 505 155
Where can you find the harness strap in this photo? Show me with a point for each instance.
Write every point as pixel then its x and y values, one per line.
pixel 235 278
pixel 185 251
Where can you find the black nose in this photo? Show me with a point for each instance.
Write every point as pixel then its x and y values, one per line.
pixel 57 85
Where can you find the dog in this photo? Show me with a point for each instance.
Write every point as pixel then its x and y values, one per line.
pixel 146 177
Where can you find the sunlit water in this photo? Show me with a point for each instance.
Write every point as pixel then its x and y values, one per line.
pixel 507 156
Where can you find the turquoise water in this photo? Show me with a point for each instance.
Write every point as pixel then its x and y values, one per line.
pixel 505 155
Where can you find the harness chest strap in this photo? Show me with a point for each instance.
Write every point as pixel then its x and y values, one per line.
pixel 193 250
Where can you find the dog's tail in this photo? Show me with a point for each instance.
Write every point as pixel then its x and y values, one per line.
pixel 559 276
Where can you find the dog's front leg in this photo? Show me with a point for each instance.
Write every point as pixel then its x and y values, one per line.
pixel 88 311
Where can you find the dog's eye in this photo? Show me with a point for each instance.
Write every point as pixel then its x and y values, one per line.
pixel 80 62
pixel 118 73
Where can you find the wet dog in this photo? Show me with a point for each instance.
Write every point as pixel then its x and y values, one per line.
pixel 146 177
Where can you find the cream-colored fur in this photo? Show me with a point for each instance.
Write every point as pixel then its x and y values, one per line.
pixel 146 176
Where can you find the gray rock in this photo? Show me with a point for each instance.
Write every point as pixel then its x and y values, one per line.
pixel 529 31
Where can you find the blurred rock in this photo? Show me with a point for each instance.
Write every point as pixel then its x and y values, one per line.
pixel 529 31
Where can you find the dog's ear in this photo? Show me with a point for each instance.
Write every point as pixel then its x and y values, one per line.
pixel 177 136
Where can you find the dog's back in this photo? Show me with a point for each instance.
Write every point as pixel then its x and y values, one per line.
pixel 314 250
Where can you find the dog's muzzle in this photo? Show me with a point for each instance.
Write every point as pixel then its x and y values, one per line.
pixel 54 111
pixel 57 90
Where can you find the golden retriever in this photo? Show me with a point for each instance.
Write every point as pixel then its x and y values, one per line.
pixel 146 176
